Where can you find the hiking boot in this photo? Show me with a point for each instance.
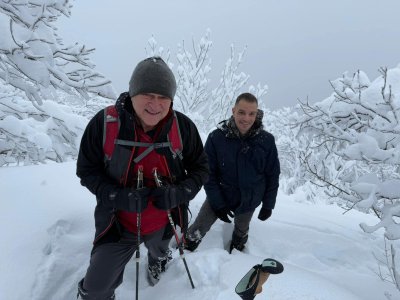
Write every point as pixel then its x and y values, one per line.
pixel 238 242
pixel 153 274
pixel 164 260
pixel 192 241
pixel 159 266
pixel 191 245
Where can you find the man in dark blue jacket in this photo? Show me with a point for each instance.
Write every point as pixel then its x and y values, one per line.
pixel 244 172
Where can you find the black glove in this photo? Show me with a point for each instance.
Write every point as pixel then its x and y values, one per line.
pixel 129 199
pixel 170 196
pixel 223 214
pixel 265 213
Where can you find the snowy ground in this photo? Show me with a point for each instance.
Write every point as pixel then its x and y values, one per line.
pixel 47 228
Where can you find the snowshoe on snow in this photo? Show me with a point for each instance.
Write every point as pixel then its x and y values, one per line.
pixel 251 284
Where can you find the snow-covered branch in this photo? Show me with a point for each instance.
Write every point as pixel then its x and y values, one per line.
pixel 32 49
pixel 357 128
pixel 194 95
pixel 38 74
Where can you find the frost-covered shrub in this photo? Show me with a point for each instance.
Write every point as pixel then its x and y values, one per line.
pixel 195 94
pixel 354 149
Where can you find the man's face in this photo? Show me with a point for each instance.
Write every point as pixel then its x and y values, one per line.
pixel 151 109
pixel 244 114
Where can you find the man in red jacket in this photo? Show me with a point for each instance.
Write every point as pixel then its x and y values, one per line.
pixel 147 128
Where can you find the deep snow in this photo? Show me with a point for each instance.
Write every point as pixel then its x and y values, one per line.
pixel 47 229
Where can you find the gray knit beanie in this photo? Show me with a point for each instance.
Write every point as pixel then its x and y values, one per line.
pixel 152 75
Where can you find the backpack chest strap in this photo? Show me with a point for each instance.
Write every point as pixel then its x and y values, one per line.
pixel 150 147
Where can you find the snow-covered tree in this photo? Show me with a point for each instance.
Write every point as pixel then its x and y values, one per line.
pixel 354 148
pixel 280 123
pixel 193 75
pixel 39 78
pixel 230 85
pixel 153 49
pixel 33 57
pixel 195 94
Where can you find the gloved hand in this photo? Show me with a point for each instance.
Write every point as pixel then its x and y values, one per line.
pixel 264 213
pixel 223 214
pixel 170 196
pixel 129 199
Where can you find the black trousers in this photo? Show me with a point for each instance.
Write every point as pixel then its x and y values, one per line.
pixel 107 262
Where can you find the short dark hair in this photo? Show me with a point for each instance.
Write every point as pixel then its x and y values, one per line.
pixel 246 97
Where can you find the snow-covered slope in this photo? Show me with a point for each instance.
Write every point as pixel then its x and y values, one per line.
pixel 47 229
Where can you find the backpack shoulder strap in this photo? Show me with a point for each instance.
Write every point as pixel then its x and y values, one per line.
pixel 110 131
pixel 110 136
pixel 175 138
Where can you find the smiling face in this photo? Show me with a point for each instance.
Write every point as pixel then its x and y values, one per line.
pixel 244 114
pixel 150 109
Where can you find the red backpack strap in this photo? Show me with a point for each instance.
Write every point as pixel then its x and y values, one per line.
pixel 111 129
pixel 175 139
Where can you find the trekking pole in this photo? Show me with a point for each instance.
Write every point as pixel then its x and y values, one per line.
pixel 139 185
pixel 171 222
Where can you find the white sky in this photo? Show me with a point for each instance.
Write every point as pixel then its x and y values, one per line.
pixel 293 46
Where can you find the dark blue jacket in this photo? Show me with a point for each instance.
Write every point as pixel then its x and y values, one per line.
pixel 244 171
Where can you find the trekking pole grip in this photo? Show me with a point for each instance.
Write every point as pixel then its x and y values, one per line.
pixel 262 279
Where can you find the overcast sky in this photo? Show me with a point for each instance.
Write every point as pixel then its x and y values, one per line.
pixel 293 46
